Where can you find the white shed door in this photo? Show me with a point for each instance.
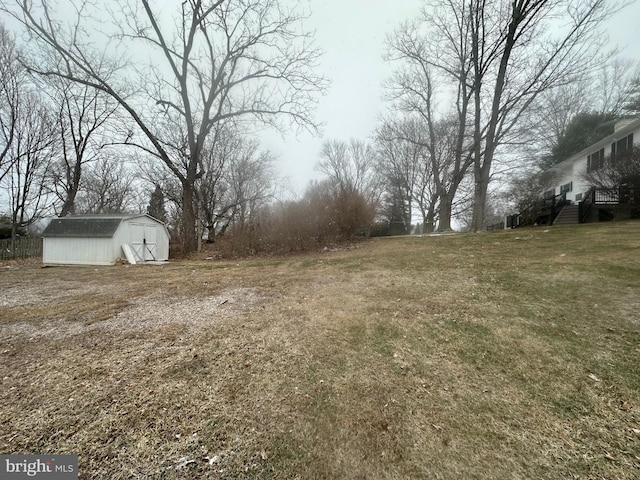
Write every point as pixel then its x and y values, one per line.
pixel 144 241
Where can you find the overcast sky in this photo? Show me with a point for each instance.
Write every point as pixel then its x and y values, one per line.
pixel 352 35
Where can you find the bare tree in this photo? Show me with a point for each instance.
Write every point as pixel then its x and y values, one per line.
pixel 514 59
pixel 438 166
pixel 492 60
pixel 351 167
pixel 602 92
pixel 613 85
pixel 108 186
pixel 402 164
pixel 28 140
pixel 434 56
pixel 34 144
pixel 239 180
pixel 221 59
pixel 447 161
pixel 82 114
pixel 11 84
pixel 632 105
pixel 252 183
pixel 552 113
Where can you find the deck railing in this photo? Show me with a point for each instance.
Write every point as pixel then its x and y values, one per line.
pixel 606 196
pixel 622 195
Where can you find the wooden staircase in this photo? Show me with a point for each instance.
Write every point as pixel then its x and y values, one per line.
pixel 569 215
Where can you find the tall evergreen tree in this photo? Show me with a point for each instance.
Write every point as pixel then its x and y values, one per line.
pixel 585 129
pixel 632 107
pixel 156 205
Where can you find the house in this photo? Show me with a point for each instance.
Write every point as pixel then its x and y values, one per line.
pixel 570 175
pixel 571 198
pixel 103 239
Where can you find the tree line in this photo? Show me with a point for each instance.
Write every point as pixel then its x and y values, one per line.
pixel 102 103
pixel 62 154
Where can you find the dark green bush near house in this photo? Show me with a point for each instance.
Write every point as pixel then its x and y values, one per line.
pixel 5 231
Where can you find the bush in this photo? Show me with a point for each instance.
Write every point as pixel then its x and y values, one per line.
pixel 5 231
pixel 321 218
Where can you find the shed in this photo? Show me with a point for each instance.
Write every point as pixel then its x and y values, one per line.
pixel 103 239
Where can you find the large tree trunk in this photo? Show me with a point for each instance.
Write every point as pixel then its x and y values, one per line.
pixel 68 208
pixel 480 198
pixel 484 161
pixel 407 213
pixel 211 233
pixel 428 225
pixel 190 240
pixel 444 213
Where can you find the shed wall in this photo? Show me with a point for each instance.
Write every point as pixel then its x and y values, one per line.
pixel 130 233
pixel 78 251
pixel 163 242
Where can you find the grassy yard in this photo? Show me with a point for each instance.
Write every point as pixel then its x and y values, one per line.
pixel 504 355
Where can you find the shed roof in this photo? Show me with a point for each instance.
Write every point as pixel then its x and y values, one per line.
pixel 90 226
pixel 82 227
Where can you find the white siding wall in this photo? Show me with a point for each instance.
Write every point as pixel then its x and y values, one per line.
pixel 119 238
pixel 573 173
pixel 77 251
pixel 580 185
pixel 163 242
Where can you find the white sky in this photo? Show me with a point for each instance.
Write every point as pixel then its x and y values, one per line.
pixel 352 35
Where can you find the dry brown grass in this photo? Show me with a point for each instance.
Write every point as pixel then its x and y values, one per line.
pixel 506 355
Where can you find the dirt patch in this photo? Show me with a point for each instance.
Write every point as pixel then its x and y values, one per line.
pixel 157 311
pixel 28 295
pixel 145 314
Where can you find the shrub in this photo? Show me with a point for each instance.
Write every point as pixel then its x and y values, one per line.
pixel 323 217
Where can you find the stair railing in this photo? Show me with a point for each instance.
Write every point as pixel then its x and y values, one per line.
pixel 559 201
pixel 586 204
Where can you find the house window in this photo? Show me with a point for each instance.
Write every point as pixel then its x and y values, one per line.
pixel 578 197
pixel 622 145
pixel 567 187
pixel 549 194
pixel 595 160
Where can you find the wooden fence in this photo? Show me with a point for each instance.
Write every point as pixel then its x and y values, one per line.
pixel 24 247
